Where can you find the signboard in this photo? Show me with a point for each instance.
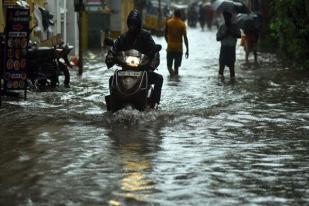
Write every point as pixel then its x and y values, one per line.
pixel 16 48
pixel 94 2
pixel 9 2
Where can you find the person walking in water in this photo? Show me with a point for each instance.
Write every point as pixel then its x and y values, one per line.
pixel 228 34
pixel 175 32
pixel 250 44
pixel 202 16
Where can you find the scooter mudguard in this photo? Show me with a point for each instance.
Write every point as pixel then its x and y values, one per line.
pixel 136 96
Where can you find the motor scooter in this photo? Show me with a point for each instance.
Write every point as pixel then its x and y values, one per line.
pixel 129 86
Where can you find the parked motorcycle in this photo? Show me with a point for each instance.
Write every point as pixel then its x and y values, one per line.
pixel 46 64
pixel 129 87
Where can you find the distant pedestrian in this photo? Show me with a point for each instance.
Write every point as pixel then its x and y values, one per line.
pixel 192 15
pixel 175 32
pixel 251 37
pixel 250 44
pixel 228 34
pixel 209 15
pixel 202 16
pixel 252 33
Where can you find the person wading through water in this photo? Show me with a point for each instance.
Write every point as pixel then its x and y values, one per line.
pixel 228 34
pixel 175 31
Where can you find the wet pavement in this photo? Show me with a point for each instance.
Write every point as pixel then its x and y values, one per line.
pixel 210 142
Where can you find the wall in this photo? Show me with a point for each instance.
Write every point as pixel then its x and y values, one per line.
pixel 120 10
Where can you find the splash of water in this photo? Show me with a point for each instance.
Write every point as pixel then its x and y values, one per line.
pixel 131 116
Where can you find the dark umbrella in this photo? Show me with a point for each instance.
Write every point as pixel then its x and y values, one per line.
pixel 241 7
pixel 225 5
pixel 248 22
pixel 207 5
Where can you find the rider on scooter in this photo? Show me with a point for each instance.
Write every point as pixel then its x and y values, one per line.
pixel 141 40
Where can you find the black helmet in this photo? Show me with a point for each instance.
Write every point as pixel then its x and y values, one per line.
pixel 135 18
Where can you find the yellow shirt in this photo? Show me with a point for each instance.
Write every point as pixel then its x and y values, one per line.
pixel 176 29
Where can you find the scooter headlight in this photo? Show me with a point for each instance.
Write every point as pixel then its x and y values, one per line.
pixel 128 82
pixel 133 61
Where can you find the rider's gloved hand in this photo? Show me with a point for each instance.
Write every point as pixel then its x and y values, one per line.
pixel 154 63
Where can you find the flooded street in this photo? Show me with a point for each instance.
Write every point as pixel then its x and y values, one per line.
pixel 210 142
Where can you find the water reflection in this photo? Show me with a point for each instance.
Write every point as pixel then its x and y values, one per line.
pixel 136 146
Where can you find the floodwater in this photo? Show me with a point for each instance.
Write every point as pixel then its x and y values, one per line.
pixel 210 143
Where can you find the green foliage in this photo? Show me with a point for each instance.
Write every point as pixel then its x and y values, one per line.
pixel 290 28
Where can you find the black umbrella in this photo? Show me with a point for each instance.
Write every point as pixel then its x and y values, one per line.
pixel 241 7
pixel 248 22
pixel 226 6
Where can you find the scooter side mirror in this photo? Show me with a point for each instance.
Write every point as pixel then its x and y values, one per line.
pixel 109 41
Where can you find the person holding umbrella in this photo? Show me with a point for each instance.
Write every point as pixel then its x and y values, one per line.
pixel 228 34
pixel 250 24
pixel 232 6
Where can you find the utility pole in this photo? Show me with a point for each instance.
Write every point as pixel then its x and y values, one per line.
pixel 80 7
pixel 160 16
pixel 80 49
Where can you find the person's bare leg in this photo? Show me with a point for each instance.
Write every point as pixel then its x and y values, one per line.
pixel 232 71
pixel 171 71
pixel 221 70
pixel 247 56
pixel 176 70
pixel 255 56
